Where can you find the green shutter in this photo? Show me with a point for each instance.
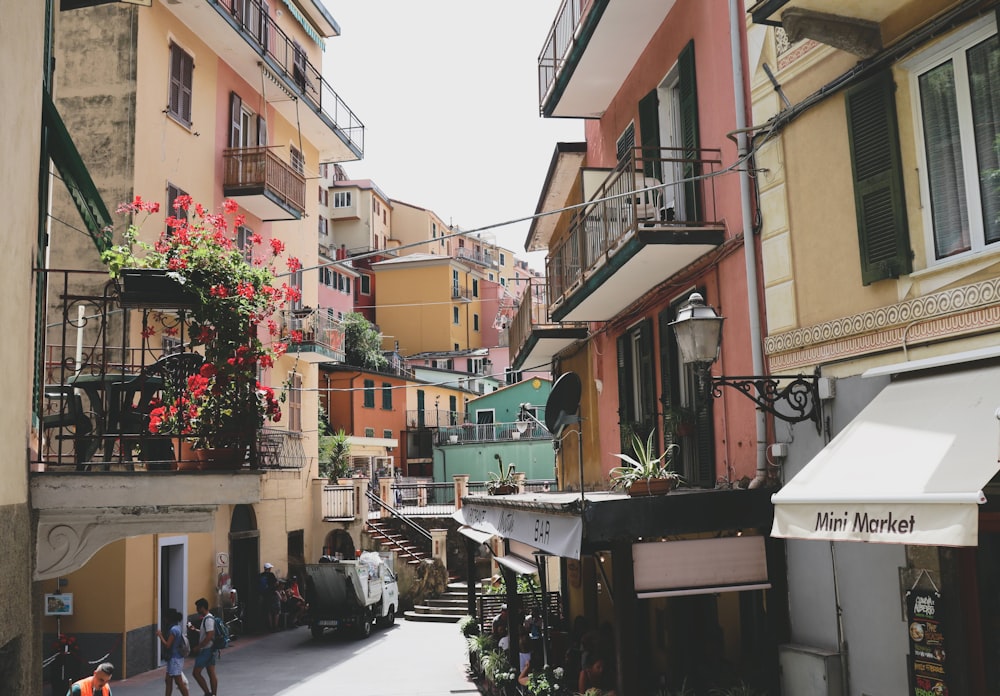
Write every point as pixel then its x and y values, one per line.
pixel 646 375
pixel 688 97
pixel 878 179
pixel 625 415
pixel 667 362
pixel 649 132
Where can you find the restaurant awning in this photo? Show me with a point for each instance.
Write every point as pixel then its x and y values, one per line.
pixel 909 469
pixel 474 534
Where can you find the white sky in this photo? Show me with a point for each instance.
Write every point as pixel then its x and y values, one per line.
pixel 447 90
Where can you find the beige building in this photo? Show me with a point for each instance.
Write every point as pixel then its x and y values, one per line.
pixel 222 100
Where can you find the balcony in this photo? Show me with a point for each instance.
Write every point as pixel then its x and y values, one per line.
pixel 98 474
pixel 264 184
pixel 459 292
pixel 534 338
pixel 478 433
pixel 260 52
pixel 590 50
pixel 314 334
pixel 485 260
pixel 652 217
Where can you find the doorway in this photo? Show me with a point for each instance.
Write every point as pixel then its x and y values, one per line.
pixel 172 581
pixel 244 561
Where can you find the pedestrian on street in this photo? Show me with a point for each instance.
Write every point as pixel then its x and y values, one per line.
pixel 96 685
pixel 270 603
pixel 175 659
pixel 205 650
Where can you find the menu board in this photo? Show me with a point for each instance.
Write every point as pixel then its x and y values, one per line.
pixel 927 653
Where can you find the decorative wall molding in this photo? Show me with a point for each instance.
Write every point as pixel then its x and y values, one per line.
pixel 950 313
pixel 67 539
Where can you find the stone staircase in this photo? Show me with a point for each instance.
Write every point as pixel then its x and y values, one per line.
pixel 450 607
pixel 389 538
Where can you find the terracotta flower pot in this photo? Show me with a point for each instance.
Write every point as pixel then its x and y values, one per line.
pixel 657 486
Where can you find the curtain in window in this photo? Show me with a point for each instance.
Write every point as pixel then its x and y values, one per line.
pixel 944 161
pixel 984 89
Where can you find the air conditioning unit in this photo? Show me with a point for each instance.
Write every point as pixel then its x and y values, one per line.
pixel 813 671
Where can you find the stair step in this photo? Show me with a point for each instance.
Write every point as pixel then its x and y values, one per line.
pixel 435 618
pixel 448 611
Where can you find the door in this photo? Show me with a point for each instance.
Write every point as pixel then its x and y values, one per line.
pixel 172 581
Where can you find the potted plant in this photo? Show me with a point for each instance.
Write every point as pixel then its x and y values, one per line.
pixel 645 474
pixel 223 405
pixel 334 456
pixel 504 482
pixel 546 682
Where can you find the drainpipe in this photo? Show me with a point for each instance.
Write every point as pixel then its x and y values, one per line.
pixel 737 22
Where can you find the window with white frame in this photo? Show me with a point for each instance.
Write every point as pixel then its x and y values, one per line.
pixel 957 102
pixel 296 159
pixel 244 242
pixel 342 199
pixel 322 226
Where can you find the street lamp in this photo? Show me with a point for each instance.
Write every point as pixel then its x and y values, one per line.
pixel 698 330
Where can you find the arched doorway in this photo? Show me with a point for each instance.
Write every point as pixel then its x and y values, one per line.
pixel 339 541
pixel 244 560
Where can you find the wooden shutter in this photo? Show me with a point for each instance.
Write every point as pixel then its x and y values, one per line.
pixel 235 120
pixel 704 435
pixel 625 416
pixel 626 143
pixel 878 180
pixel 688 98
pixel 649 133
pixel 174 96
pixel 668 360
pixel 645 375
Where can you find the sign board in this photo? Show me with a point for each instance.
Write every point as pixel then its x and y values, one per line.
pixel 559 535
pixel 927 655
pixel 221 559
pixel 59 604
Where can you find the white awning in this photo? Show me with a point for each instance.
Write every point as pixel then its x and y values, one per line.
pixel 909 469
pixel 699 566
pixel 521 566
pixel 474 534
pixel 558 535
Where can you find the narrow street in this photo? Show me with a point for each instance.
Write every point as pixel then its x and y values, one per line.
pixel 418 659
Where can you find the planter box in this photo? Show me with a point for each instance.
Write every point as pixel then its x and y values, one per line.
pixel 153 288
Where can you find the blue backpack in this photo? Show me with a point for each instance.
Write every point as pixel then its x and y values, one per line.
pixel 221 638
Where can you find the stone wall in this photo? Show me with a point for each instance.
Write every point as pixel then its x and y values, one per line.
pixel 20 613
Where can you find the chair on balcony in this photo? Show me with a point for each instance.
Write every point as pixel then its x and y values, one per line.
pixel 70 422
pixel 130 403
pixel 649 203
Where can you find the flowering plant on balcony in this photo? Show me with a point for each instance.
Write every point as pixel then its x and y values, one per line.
pixel 235 296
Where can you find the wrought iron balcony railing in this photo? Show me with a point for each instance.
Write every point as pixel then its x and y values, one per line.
pixel 312 330
pixel 660 191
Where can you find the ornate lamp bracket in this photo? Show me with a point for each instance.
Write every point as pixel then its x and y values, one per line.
pixel 791 398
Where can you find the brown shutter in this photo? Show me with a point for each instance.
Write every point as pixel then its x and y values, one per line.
pixel 235 120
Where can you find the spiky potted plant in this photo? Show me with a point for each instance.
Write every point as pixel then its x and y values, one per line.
pixel 646 473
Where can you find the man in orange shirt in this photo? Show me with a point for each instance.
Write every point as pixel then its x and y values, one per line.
pixel 96 685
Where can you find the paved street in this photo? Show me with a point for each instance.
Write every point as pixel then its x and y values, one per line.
pixel 417 659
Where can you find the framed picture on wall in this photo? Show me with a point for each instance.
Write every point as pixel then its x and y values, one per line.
pixel 59 604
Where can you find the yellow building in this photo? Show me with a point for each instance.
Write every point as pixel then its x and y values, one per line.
pixel 418 294
pixel 875 152
pixel 222 100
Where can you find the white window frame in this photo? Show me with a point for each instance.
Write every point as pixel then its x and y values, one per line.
pixel 342 199
pixel 952 48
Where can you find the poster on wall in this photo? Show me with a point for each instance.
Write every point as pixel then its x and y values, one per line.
pixel 927 649
pixel 59 604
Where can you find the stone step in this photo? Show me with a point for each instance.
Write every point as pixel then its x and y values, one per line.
pixel 435 618
pixel 434 609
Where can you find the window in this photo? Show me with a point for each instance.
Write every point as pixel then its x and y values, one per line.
pixel 369 432
pixel 387 434
pixel 296 160
pixel 475 322
pixel 173 193
pixel 434 230
pixel 299 65
pixel 958 101
pixel 244 242
pixel 181 84
pixel 342 199
pixel 322 226
pixel 454 315
pixel 636 390
pixel 386 396
pixel 324 192
pixel 295 402
pixel 369 393
pixel 503 259
pixel 475 287
pixel 366 285
pixel 296 282
pixel 492 277
pixel 687 411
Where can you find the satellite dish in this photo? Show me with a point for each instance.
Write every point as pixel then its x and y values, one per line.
pixel 563 403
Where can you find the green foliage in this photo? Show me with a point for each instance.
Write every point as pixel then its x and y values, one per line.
pixel 496 667
pixel 546 682
pixel 525 585
pixel 334 455
pixel 468 626
pixel 362 343
pixel 644 465
pixel 502 480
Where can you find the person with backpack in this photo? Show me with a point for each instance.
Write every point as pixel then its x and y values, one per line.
pixel 205 651
pixel 178 648
pixel 270 602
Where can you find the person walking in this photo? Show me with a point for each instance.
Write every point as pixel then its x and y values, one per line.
pixel 270 603
pixel 175 658
pixel 95 685
pixel 205 650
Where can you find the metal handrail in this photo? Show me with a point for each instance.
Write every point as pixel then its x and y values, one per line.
pixel 372 498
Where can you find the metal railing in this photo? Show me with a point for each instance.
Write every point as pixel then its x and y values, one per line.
pixel 671 192
pixel 289 58
pixel 489 432
pixel 255 168
pixel 435 418
pixel 312 327
pixel 459 292
pixel 480 258
pixel 558 44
